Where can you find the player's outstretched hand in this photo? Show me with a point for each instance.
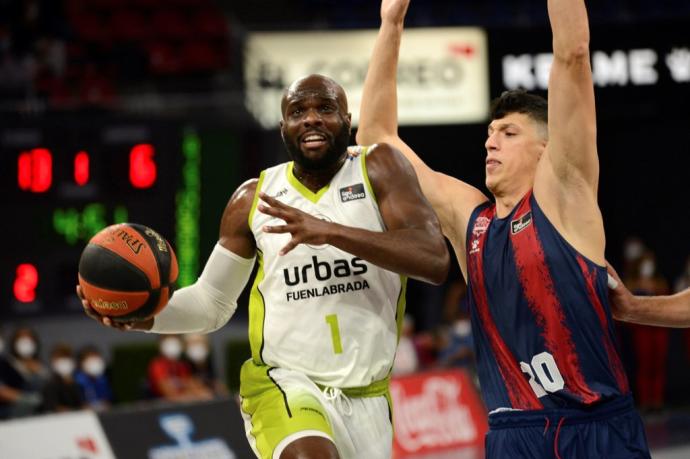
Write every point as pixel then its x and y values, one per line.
pixel 304 228
pixel 394 10
pixel 107 321
pixel 621 298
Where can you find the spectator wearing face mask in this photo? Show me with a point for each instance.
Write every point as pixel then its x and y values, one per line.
pixel 406 360
pixel 22 375
pixel 650 344
pixel 62 392
pixel 92 380
pixel 198 353
pixel 170 377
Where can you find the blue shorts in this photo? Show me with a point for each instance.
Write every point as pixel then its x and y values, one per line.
pixel 611 430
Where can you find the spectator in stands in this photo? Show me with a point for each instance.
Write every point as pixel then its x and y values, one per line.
pixel 62 392
pixel 22 376
pixel 650 343
pixel 406 359
pixel 92 380
pixel 198 353
pixel 683 281
pixel 459 349
pixel 633 248
pixel 171 378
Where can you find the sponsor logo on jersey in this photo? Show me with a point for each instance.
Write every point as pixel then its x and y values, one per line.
pixel 333 289
pixel 521 223
pixel 282 192
pixel 352 192
pixel 323 270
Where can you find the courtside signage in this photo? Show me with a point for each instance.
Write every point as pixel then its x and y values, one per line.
pixel 55 436
pixel 442 77
pixel 436 411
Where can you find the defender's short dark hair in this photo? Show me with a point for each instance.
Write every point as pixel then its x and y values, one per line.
pixel 520 101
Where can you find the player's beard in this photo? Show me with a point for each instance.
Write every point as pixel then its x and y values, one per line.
pixel 337 146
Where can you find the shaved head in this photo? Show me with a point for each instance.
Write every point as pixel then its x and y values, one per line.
pixel 314 86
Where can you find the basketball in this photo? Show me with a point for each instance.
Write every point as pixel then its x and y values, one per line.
pixel 127 272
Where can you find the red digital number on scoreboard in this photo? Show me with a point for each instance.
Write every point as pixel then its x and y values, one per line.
pixel 35 170
pixel 25 283
pixel 142 166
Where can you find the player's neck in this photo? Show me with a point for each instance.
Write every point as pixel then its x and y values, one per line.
pixel 313 179
pixel 506 201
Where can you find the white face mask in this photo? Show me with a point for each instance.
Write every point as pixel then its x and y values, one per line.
pixel 632 251
pixel 171 348
pixel 462 327
pixel 25 347
pixel 93 366
pixel 64 366
pixel 197 352
pixel 647 268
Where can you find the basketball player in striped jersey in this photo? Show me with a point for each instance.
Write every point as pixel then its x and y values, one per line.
pixel 551 374
pixel 335 240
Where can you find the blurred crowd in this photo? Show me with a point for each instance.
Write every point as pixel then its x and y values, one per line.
pixel 69 380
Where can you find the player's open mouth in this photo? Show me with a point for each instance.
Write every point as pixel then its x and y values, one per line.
pixel 313 140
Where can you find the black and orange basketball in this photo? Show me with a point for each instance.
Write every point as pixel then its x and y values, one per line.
pixel 127 272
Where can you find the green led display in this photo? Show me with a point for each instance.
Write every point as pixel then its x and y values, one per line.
pixel 188 201
pixel 80 226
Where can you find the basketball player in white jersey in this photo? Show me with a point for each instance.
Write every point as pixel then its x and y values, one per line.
pixel 335 240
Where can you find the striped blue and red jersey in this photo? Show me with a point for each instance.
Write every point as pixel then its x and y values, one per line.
pixel 542 325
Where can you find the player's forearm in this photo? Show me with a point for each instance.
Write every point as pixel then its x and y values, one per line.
pixel 662 311
pixel 209 303
pixel 418 253
pixel 378 118
pixel 570 29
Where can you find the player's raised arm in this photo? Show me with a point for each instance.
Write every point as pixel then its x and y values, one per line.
pixel 572 152
pixel 661 311
pixel 451 199
pixel 412 244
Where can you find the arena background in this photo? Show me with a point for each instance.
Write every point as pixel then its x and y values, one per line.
pixel 157 96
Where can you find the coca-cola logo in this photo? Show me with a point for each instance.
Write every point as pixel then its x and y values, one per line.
pixel 433 417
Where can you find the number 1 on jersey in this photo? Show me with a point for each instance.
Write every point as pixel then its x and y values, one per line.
pixel 332 320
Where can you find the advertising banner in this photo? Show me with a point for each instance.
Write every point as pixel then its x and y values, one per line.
pixel 436 411
pixel 55 436
pixel 442 78
pixel 641 70
pixel 206 430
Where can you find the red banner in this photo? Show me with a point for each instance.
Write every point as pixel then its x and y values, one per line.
pixel 436 411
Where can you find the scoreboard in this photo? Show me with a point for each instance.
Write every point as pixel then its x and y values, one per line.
pixel 62 183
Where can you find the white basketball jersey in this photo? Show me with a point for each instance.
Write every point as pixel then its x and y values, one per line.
pixel 320 310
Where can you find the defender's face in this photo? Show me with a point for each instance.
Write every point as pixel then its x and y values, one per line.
pixel 315 126
pixel 513 146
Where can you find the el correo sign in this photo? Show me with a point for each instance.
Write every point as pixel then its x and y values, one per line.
pixel 442 78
